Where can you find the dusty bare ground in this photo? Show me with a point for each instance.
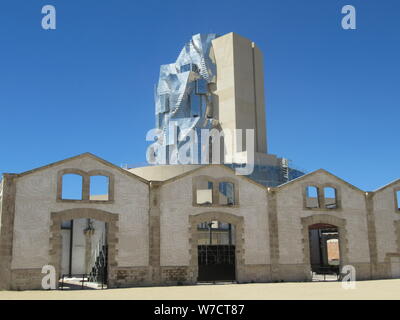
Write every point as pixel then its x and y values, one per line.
pixel 381 289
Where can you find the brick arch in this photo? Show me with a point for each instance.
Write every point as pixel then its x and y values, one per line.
pixel 83 213
pixel 72 170
pixel 237 221
pixel 325 219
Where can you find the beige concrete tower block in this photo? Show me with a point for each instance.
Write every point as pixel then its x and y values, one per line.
pixel 240 87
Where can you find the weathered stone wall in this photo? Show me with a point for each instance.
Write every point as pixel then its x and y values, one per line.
pixel 176 275
pixel 351 214
pixel 177 205
pixel 128 277
pixel 1 200
pixel 6 230
pixel 387 222
pixel 152 227
pixel 36 200
pixel 23 279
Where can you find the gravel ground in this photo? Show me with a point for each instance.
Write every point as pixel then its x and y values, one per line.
pixel 380 289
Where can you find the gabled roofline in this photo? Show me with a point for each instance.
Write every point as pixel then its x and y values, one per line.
pixel 80 156
pixel 387 186
pixel 315 172
pixel 213 165
pixel 130 174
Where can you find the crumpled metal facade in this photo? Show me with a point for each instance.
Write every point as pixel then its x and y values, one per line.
pixel 183 95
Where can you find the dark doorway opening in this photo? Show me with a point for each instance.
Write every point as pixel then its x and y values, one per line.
pixel 324 252
pixel 216 252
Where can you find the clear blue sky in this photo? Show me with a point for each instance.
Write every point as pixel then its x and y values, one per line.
pixel 333 96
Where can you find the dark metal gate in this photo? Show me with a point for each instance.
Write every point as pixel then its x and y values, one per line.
pixel 216 263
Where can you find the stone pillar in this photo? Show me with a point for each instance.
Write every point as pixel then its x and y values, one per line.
pixel 273 234
pixel 7 229
pixel 86 187
pixel 373 250
pixel 154 232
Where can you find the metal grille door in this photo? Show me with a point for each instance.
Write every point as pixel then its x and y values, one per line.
pixel 216 262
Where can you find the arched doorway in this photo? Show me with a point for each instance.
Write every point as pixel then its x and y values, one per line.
pixel 216 247
pixel 325 246
pixel 95 261
pixel 324 251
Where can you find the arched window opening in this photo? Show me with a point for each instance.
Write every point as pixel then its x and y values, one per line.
pixel 312 200
pixel 72 186
pixel 330 197
pixel 226 193
pixel 204 193
pixel 99 188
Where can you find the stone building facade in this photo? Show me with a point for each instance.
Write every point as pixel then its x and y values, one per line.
pixel 152 225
